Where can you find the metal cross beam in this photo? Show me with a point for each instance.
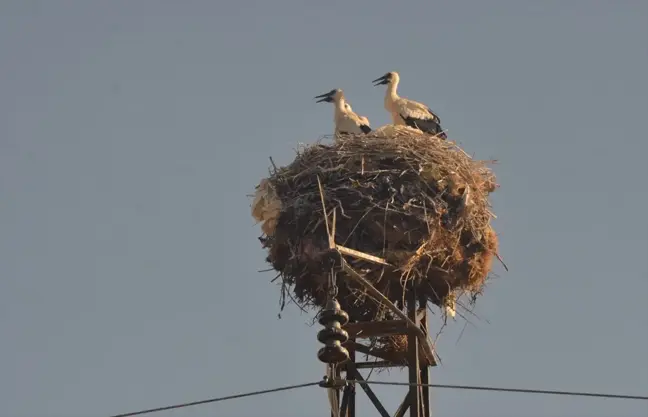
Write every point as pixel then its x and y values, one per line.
pixel 417 400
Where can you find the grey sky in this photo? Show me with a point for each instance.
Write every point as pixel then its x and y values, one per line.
pixel 131 132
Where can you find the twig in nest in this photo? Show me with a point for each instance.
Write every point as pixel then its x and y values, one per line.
pixel 357 224
pixel 321 193
pixel 501 261
pixel 282 299
pixel 342 209
pixel 461 333
pixel 295 302
pixel 273 165
pixel 385 230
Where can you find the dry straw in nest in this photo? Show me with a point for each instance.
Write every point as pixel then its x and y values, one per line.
pixel 417 202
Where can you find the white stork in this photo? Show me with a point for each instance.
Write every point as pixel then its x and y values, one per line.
pixel 346 120
pixel 408 112
pixel 363 119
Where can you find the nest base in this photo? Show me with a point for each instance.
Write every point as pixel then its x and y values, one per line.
pixel 416 203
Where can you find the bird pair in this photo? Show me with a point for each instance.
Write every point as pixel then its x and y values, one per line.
pixel 403 111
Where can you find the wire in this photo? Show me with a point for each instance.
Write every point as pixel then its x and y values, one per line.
pixel 518 390
pixel 350 381
pixel 214 400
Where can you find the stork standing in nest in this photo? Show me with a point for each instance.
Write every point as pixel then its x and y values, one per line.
pixel 408 112
pixel 363 119
pixel 346 120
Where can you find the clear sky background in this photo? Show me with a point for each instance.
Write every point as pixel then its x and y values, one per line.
pixel 131 132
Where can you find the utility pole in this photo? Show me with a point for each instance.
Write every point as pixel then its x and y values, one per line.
pixel 417 399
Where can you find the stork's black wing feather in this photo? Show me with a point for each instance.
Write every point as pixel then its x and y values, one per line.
pixel 365 129
pixel 430 126
pixel 434 116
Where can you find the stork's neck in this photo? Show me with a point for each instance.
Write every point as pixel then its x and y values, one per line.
pixel 391 93
pixel 340 106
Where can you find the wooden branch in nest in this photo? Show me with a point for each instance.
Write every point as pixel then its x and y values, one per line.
pixel 360 255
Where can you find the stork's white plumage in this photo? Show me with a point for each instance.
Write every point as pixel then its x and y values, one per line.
pixel 408 112
pixel 363 119
pixel 346 120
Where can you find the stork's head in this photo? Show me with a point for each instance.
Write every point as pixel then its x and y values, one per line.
pixel 390 77
pixel 330 97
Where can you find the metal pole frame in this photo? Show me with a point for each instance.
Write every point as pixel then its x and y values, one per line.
pixel 417 399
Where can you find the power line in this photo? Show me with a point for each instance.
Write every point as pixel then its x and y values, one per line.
pixel 517 390
pixel 215 400
pixel 342 382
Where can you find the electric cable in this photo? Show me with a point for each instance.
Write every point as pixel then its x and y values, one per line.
pixel 516 390
pixel 214 400
pixel 351 381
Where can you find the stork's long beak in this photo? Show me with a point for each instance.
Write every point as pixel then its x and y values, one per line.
pixel 328 97
pixel 381 81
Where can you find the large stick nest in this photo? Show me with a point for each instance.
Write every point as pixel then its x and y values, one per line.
pixel 416 201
